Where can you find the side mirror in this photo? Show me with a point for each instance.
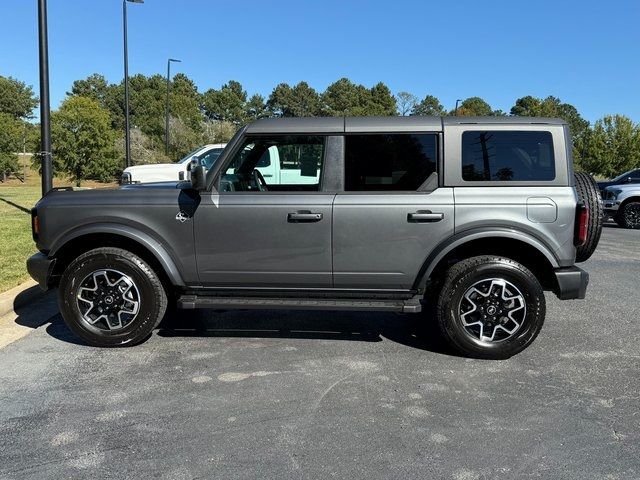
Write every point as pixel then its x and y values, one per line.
pixel 198 174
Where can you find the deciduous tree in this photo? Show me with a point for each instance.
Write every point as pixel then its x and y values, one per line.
pixel 83 141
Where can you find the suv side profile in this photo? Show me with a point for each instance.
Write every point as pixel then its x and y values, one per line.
pixel 468 220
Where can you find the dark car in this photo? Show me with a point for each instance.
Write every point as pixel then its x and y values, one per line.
pixel 632 176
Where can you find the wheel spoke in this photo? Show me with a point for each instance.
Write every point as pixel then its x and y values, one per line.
pixel 108 299
pixel 492 310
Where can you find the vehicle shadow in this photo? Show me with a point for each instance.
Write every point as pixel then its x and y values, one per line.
pixel 416 331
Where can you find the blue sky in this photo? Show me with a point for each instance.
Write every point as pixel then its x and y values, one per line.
pixel 585 52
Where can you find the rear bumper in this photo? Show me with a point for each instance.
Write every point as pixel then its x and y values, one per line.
pixel 572 283
pixel 40 267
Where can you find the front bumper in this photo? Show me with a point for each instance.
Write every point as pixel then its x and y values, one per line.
pixel 40 267
pixel 572 283
pixel 610 207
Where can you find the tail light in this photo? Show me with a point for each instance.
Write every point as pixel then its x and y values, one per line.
pixel 582 223
pixel 35 224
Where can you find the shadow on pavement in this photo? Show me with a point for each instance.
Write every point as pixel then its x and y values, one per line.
pixel 34 309
pixel 415 331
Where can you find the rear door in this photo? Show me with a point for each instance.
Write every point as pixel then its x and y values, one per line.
pixel 258 232
pixel 392 213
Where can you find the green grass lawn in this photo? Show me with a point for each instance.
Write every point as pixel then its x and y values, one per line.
pixel 16 244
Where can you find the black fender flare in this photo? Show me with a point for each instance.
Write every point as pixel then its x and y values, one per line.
pixel 145 240
pixel 459 239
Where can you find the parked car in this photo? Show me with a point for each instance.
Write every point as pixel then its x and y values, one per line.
pixel 632 176
pixel 622 203
pixel 171 172
pixel 467 220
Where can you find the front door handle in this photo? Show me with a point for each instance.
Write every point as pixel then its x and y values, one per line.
pixel 304 216
pixel 424 216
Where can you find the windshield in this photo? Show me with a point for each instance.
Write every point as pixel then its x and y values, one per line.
pixel 189 156
pixel 207 158
pixel 630 173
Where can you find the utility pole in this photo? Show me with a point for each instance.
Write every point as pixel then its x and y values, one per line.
pixel 455 112
pixel 127 135
pixel 45 107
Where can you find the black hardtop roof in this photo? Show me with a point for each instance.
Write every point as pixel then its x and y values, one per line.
pixel 383 124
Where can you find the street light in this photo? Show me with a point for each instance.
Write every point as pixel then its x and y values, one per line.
pixel 455 112
pixel 166 123
pixel 45 110
pixel 127 136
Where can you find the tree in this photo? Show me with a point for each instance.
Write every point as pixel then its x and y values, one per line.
pixel 226 104
pixel 529 106
pixel 473 106
pixel 83 141
pixel 16 98
pixel 429 105
pixel 406 102
pixel 612 146
pixel 12 131
pixel 345 98
pixel 255 108
pixel 381 101
pixel 299 101
pixel 95 86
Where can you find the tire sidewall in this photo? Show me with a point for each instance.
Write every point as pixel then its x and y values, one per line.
pixel 533 320
pixel 139 328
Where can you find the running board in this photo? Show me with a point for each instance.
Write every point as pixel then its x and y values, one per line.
pixel 412 305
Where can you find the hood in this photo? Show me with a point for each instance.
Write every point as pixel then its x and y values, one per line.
pixel 603 185
pixel 156 185
pixel 151 166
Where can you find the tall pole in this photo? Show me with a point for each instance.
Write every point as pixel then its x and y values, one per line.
pixel 127 134
pixel 455 112
pixel 166 120
pixel 45 108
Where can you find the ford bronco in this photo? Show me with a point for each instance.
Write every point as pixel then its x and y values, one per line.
pixel 467 220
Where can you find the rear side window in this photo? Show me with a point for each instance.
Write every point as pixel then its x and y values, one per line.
pixel 389 162
pixel 507 156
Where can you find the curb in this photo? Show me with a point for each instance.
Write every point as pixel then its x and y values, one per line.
pixel 20 296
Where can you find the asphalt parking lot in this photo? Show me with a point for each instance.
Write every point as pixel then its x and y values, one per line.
pixel 257 394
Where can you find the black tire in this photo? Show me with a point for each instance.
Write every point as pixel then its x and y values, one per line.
pixel 629 215
pixel 589 194
pixel 89 270
pixel 518 283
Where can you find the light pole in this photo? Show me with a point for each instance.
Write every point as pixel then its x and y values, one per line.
pixel 127 136
pixel 45 109
pixel 166 120
pixel 455 112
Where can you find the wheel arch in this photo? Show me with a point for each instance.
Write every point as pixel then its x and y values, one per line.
pixel 633 198
pixel 509 243
pixel 93 236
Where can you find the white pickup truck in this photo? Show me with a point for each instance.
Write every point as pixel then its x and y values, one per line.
pixel 276 168
pixel 167 172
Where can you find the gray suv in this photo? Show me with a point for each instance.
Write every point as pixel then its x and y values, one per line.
pixel 467 220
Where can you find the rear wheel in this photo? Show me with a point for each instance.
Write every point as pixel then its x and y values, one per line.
pixel 490 307
pixel 629 215
pixel 589 194
pixel 110 297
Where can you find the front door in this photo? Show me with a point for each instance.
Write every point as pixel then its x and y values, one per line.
pixel 392 213
pixel 258 232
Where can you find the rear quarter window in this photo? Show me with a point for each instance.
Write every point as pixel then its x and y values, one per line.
pixel 507 156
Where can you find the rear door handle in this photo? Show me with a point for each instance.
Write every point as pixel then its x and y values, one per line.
pixel 424 216
pixel 304 216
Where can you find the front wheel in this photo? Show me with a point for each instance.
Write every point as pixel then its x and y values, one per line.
pixel 490 307
pixel 110 297
pixel 629 215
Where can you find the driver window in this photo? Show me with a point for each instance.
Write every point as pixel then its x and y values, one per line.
pixel 280 163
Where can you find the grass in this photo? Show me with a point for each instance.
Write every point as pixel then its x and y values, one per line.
pixel 16 245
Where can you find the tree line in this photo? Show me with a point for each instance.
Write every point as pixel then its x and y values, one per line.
pixel 88 127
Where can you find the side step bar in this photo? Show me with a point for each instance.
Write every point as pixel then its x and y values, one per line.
pixel 412 305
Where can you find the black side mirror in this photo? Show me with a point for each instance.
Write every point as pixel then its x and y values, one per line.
pixel 198 174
